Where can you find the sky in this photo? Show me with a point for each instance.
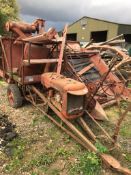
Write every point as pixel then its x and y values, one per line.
pixel 59 12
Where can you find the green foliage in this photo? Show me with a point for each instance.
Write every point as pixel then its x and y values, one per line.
pixel 101 148
pixel 43 160
pixel 129 85
pixel 1 81
pixel 125 130
pixel 8 11
pixel 34 173
pixel 88 164
pixel 62 152
pixel 128 157
pixel 123 104
pixel 17 146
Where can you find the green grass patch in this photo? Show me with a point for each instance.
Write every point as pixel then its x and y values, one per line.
pixel 125 130
pixel 87 164
pixel 101 148
pixel 2 82
pixel 124 104
pixel 64 153
pixel 34 173
pixel 129 85
pixel 128 157
pixel 17 147
pixel 43 160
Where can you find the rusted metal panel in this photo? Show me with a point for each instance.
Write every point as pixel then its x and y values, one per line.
pixel 70 90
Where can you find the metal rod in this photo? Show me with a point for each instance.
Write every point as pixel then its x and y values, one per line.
pixel 62 51
pixel 69 124
pixel 104 131
pixel 106 42
pixel 86 128
pixel 22 59
pixel 59 125
pixel 107 159
pixel 29 53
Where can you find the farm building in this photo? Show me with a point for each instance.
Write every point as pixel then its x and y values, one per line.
pixel 87 28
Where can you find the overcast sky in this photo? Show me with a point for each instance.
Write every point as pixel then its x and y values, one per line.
pixel 59 12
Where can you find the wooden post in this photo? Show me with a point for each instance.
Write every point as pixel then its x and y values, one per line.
pixel 62 50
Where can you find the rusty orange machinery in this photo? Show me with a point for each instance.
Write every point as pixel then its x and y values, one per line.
pixel 87 66
pixel 23 29
pixel 123 60
pixel 27 56
pixel 33 64
pixel 115 85
pixel 66 94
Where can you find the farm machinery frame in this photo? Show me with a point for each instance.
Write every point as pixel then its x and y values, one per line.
pixel 49 71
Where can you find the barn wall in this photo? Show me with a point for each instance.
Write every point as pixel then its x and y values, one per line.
pixel 92 25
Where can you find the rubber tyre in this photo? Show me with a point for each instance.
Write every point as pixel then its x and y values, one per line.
pixel 14 96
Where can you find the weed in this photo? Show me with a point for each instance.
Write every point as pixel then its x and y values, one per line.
pixel 54 172
pixel 46 159
pixel 1 81
pixel 128 157
pixel 43 160
pixel 101 148
pixel 18 147
pixel 62 152
pixel 88 164
pixel 129 85
pixel 123 104
pixel 126 130
pixel 40 119
pixel 34 173
pixel 54 133
pixel 35 121
pixel 13 165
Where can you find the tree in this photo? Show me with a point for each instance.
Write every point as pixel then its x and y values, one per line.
pixel 8 11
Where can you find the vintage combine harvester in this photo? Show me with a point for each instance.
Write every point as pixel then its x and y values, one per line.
pixel 42 68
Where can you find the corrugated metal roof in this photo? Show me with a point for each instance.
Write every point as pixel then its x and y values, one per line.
pixel 99 20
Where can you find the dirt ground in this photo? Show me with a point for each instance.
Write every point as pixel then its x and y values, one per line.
pixel 43 149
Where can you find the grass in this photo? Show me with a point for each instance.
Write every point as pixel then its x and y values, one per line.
pixel 129 85
pixel 44 146
pixel 17 147
pixel 2 83
pixel 128 157
pixel 34 173
pixel 54 172
pixel 125 130
pixel 124 104
pixel 101 148
pixel 64 153
pixel 43 160
pixel 87 164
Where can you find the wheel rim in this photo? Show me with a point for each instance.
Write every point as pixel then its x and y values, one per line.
pixel 10 97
